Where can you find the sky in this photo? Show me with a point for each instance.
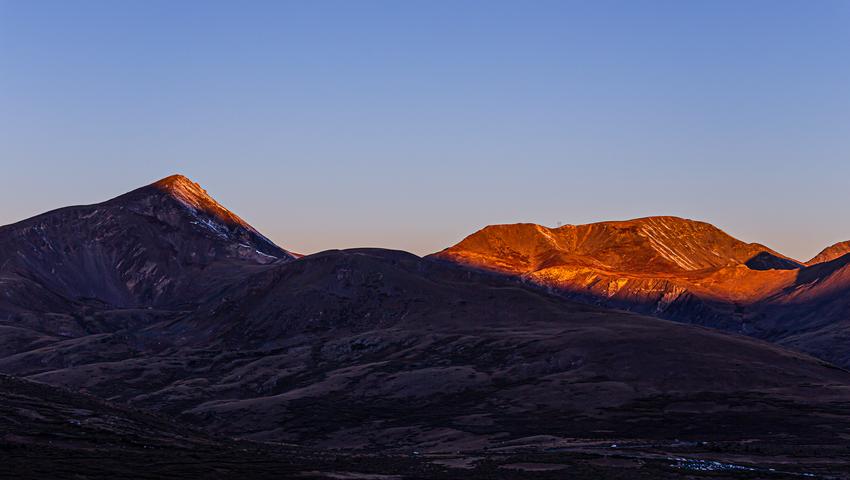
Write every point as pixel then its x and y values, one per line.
pixel 411 124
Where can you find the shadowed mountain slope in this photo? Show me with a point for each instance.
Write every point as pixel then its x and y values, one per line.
pixel 165 244
pixel 376 349
pixel 52 433
pixel 813 313
pixel 32 412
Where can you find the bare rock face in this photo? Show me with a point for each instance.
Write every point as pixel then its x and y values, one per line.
pixel 164 244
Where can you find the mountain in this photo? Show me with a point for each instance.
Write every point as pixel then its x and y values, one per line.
pixel 164 305
pixel 646 245
pixel 831 253
pixel 161 245
pixel 681 270
pixel 665 266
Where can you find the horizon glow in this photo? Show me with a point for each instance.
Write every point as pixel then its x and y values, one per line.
pixel 410 125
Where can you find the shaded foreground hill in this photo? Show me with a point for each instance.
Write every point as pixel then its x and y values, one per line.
pixel 378 350
pixel 51 433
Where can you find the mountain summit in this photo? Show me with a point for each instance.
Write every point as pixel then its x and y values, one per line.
pixel 650 244
pixel 195 198
pixel 160 198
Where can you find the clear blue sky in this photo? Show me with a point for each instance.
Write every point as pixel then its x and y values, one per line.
pixel 409 124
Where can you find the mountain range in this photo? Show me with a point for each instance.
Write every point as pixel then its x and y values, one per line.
pixel 680 270
pixel 647 348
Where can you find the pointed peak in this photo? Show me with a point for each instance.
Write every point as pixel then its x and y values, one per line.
pixel 182 186
pixel 196 199
pixel 188 192
pixel 208 212
pixel 174 180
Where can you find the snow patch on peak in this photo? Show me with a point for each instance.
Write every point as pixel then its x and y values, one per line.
pixel 546 234
pixel 659 236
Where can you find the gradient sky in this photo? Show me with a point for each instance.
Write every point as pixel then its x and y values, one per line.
pixel 410 124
